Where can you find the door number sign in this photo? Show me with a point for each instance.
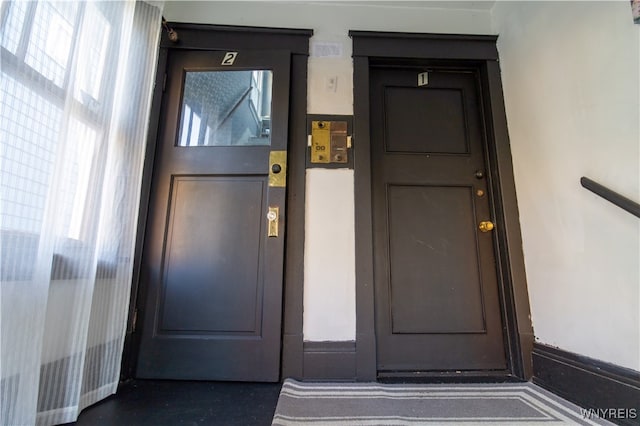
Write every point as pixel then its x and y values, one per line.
pixel 229 58
pixel 423 79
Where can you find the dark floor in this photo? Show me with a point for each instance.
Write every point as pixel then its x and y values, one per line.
pixel 159 402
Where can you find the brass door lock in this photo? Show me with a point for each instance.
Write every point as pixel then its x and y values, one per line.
pixel 272 218
pixel 486 226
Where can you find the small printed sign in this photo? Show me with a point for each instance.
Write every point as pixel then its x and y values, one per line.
pixel 229 58
pixel 326 49
pixel 423 79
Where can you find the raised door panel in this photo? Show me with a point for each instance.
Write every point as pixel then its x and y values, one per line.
pixel 434 278
pixel 212 269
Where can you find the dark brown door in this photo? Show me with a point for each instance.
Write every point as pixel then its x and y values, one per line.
pixel 436 292
pixel 211 272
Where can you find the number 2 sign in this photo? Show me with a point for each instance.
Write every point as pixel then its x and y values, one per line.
pixel 229 58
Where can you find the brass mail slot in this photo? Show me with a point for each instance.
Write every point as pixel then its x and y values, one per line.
pixel 329 142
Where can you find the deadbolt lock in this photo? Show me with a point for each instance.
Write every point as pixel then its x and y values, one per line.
pixel 486 226
pixel 278 169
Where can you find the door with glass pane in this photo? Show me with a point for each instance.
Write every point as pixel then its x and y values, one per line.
pixel 212 262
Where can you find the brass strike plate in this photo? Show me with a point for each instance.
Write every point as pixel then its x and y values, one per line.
pixel 278 169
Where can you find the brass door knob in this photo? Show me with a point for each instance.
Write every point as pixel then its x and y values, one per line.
pixel 486 226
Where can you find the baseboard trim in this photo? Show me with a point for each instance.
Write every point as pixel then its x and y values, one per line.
pixel 329 361
pixel 480 376
pixel 589 383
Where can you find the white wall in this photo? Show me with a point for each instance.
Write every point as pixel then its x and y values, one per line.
pixel 571 83
pixel 329 267
pixel 329 288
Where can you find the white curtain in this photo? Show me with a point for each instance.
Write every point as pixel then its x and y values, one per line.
pixel 75 92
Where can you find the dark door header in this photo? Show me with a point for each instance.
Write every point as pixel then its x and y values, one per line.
pixel 220 37
pixel 425 46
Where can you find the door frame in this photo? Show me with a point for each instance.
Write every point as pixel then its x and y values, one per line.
pixel 205 37
pixel 477 52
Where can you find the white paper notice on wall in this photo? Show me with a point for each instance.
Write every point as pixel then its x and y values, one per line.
pixel 326 49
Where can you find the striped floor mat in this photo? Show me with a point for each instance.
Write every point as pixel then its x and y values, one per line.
pixel 392 404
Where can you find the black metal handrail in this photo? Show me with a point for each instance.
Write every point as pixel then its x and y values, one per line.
pixel 611 196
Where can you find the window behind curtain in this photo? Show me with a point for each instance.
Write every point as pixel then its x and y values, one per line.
pixel 38 40
pixel 75 90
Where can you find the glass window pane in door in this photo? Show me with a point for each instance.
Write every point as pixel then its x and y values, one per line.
pixel 226 108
